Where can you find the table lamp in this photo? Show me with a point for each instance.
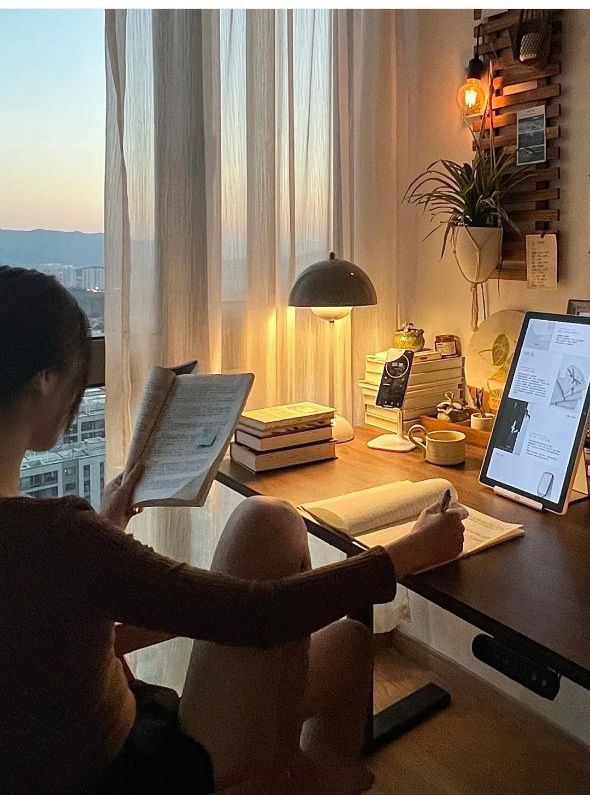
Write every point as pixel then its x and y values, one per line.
pixel 331 288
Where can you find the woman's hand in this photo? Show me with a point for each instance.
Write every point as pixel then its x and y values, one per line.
pixel 435 538
pixel 116 503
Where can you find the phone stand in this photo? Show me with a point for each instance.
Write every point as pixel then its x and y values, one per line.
pixel 393 442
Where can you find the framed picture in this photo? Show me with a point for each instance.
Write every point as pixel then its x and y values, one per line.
pixel 575 307
pixel 531 136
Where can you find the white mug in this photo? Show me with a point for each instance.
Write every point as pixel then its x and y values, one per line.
pixel 444 448
pixel 482 422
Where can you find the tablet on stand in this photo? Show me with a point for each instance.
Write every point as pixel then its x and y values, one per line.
pixel 535 455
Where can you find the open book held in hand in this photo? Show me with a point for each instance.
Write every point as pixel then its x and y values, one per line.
pixel 182 431
pixel 384 514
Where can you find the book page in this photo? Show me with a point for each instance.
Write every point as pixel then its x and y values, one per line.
pixel 481 531
pixel 191 438
pixel 380 506
pixel 155 394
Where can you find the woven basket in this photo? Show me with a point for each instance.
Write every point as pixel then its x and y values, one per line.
pixel 531 38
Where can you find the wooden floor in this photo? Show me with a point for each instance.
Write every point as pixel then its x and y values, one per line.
pixel 485 743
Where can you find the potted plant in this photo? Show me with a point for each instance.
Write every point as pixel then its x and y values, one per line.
pixel 469 201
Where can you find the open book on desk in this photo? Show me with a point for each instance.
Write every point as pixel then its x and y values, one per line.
pixel 384 514
pixel 182 432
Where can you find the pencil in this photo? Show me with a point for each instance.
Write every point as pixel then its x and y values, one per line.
pixel 446 501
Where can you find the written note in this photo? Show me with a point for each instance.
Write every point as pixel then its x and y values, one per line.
pixel 541 261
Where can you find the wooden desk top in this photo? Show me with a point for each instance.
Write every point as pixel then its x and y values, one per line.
pixel 533 590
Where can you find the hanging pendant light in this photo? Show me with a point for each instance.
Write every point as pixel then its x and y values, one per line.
pixel 472 95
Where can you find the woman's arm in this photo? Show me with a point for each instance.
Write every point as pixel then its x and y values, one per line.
pixel 127 581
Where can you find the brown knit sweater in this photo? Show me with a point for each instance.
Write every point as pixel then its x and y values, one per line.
pixel 67 574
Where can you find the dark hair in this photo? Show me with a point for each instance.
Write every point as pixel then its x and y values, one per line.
pixel 42 327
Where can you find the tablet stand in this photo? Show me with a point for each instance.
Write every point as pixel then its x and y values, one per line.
pixel 579 488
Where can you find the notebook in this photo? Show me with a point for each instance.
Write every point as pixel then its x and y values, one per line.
pixel 384 514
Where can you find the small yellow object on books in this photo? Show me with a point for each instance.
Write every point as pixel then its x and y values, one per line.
pixel 384 514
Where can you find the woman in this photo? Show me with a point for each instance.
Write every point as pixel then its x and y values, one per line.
pixel 69 722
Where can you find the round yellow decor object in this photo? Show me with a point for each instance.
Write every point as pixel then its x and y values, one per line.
pixel 489 355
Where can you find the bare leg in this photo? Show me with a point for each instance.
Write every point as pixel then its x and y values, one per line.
pixel 336 699
pixel 247 706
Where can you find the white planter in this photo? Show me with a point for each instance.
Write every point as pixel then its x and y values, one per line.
pixel 478 250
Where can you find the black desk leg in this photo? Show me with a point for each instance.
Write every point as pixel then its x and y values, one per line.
pixel 405 714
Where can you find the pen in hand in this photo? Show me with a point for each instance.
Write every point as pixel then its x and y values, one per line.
pixel 446 501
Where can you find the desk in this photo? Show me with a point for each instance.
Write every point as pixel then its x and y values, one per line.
pixel 532 593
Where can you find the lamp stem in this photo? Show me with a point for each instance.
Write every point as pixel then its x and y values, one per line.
pixel 332 365
pixel 341 429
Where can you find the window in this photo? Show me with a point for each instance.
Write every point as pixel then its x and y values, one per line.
pixel 87 482
pixel 75 465
pixel 46 494
pixel 52 216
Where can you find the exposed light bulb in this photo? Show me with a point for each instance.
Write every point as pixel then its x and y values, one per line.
pixel 472 96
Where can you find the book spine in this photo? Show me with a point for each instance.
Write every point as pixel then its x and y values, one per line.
pixel 278 459
pixel 422 366
pixel 408 414
pixel 387 425
pixel 416 400
pixel 419 379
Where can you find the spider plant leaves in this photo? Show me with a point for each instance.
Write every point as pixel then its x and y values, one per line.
pixel 468 194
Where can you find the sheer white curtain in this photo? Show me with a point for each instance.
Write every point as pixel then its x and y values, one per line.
pixel 241 147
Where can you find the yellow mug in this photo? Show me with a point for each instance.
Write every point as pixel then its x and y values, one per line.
pixel 444 448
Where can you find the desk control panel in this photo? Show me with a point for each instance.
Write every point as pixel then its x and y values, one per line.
pixel 516 666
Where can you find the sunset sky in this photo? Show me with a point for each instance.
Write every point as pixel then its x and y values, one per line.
pixel 52 99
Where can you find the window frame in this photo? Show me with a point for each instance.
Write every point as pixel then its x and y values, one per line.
pixel 97 362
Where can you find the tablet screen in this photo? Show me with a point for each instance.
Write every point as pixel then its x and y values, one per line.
pixel 543 413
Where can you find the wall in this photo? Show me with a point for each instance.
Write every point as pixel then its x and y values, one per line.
pixel 434 295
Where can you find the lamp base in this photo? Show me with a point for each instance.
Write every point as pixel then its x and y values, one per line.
pixel 341 430
pixel 392 442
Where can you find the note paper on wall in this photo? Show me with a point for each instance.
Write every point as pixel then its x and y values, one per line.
pixel 541 261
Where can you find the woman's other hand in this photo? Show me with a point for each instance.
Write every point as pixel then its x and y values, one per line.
pixel 116 503
pixel 435 538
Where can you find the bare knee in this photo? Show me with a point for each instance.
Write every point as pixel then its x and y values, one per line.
pixel 353 636
pixel 270 533
pixel 270 511
pixel 350 646
pixel 268 517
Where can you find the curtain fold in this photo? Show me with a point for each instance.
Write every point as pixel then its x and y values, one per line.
pixel 241 147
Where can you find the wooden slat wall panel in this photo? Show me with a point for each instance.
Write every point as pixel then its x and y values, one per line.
pixel 552 111
pixel 535 208
pixel 509 138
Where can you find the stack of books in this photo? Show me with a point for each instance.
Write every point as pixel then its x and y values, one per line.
pixel 283 436
pixel 430 379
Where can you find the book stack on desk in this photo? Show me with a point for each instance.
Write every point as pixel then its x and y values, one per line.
pixel 430 379
pixel 283 436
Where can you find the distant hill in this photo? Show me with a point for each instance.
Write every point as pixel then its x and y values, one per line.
pixel 40 246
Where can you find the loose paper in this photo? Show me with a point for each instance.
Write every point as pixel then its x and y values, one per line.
pixel 541 261
pixel 531 143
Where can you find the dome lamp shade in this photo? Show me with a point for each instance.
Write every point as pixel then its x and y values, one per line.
pixel 332 287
